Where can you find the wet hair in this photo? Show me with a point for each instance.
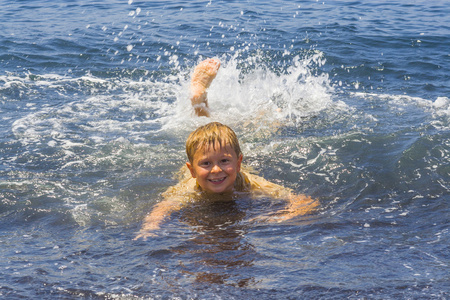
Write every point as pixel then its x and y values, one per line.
pixel 213 135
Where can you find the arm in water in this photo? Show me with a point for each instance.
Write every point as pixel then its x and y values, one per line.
pixel 296 204
pixel 159 213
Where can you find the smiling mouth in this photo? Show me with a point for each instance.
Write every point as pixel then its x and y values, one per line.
pixel 217 180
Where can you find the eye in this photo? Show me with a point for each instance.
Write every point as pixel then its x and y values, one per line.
pixel 204 163
pixel 225 160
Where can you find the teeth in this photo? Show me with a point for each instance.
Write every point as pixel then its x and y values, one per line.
pixel 216 180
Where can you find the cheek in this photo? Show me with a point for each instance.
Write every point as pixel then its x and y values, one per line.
pixel 201 172
pixel 232 170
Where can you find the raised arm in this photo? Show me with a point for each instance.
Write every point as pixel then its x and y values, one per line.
pixel 203 75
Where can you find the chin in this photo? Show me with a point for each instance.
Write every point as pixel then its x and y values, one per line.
pixel 218 190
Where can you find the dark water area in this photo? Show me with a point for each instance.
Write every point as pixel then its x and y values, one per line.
pixel 346 101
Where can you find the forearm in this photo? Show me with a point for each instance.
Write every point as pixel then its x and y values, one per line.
pixel 153 220
pixel 200 104
pixel 157 216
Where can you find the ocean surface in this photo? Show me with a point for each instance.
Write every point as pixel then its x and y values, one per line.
pixel 345 101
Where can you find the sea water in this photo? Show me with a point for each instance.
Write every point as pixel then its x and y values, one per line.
pixel 345 101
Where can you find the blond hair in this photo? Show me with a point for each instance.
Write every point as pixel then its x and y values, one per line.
pixel 212 135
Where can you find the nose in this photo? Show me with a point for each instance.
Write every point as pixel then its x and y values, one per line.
pixel 216 169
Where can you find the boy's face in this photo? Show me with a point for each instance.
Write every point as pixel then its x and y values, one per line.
pixel 216 169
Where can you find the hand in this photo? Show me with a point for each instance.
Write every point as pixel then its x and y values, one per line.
pixel 144 235
pixel 272 218
pixel 300 205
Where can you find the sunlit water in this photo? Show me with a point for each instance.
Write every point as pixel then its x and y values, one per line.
pixel 345 101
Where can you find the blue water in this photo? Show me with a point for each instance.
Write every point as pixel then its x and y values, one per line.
pixel 346 101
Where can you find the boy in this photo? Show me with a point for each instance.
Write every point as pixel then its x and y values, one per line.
pixel 213 172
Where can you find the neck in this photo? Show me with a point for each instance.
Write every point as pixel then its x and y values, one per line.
pixel 214 197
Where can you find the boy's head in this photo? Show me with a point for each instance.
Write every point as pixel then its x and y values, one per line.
pixel 214 157
pixel 213 135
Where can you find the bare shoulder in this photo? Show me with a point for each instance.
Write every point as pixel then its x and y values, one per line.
pixel 186 184
pixel 260 185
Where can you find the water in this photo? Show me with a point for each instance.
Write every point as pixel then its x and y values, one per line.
pixel 345 101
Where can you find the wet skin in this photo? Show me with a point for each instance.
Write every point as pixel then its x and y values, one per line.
pixel 216 169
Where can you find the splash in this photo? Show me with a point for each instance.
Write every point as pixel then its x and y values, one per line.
pixel 250 91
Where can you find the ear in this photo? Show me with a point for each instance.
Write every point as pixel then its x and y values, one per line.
pixel 191 169
pixel 239 162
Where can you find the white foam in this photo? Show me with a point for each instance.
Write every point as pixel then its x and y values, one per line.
pixel 260 96
pixel 440 106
